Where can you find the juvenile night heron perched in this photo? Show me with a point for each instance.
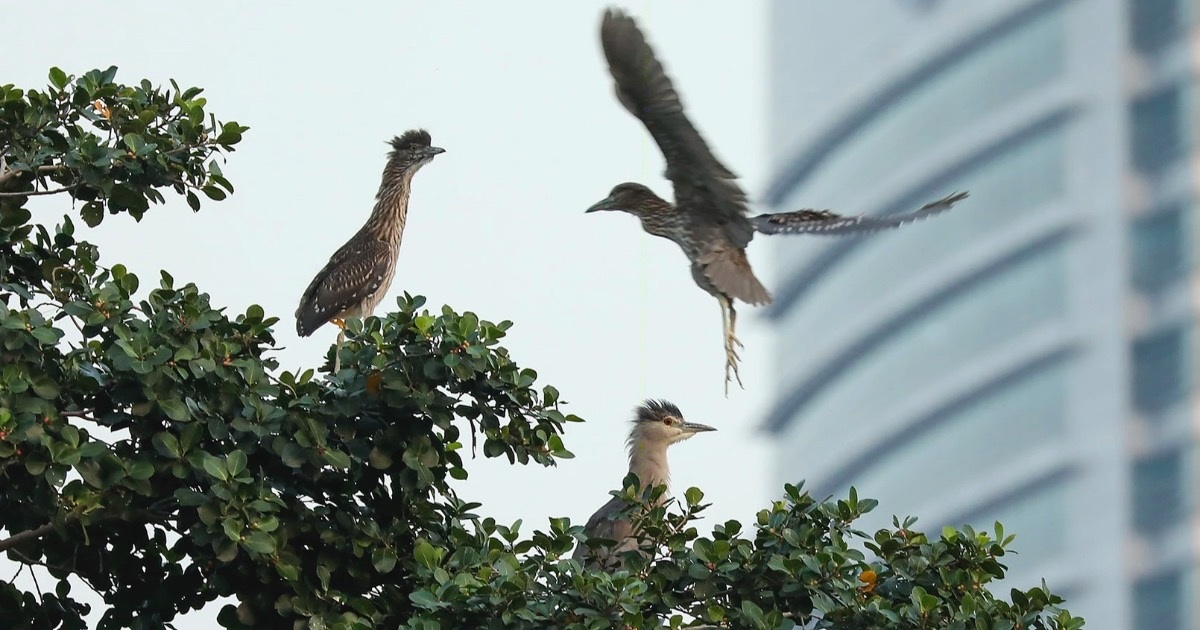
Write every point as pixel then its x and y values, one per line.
pixel 709 217
pixel 657 424
pixel 359 273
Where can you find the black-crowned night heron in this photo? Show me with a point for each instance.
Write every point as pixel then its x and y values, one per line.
pixel 657 424
pixel 359 273
pixel 709 217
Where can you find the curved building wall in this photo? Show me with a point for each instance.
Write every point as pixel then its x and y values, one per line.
pixel 1027 357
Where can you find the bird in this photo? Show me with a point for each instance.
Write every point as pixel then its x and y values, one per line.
pixel 657 424
pixel 360 272
pixel 710 218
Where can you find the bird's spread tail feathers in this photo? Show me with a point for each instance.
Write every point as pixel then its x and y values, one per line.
pixel 827 222
pixel 730 272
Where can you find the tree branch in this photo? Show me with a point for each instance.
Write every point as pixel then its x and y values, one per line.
pixel 41 170
pixel 26 536
pixel 34 193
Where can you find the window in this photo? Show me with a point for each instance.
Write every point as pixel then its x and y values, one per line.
pixel 1159 497
pixel 1154 24
pixel 1160 370
pixel 1158 602
pixel 1159 254
pixel 1158 132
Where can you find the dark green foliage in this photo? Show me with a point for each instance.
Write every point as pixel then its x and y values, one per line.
pixel 157 454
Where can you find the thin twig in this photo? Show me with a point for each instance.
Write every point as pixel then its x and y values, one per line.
pixel 35 193
pixel 86 414
pixel 41 598
pixel 20 568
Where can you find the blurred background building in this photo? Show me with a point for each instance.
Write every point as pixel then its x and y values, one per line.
pixel 1028 357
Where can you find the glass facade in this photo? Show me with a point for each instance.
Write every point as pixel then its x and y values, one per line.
pixel 1016 182
pixel 1031 354
pixel 986 317
pixel 959 446
pixel 949 102
pixel 1038 519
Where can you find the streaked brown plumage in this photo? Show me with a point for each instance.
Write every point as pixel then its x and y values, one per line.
pixel 709 217
pixel 657 424
pixel 360 272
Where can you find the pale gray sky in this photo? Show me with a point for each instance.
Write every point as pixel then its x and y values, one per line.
pixel 518 95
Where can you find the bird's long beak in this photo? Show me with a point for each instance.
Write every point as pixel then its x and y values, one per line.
pixel 432 151
pixel 603 204
pixel 695 427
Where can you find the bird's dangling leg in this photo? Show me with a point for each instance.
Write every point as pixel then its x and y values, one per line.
pixel 337 351
pixel 728 321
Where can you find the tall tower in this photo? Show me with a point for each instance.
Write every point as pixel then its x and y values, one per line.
pixel 1027 357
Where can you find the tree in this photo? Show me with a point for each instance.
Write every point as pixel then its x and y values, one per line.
pixel 158 457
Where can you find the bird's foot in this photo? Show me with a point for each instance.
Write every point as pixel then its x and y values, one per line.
pixel 731 363
pixel 339 322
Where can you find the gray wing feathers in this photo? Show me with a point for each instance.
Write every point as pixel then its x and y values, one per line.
pixel 831 223
pixel 354 272
pixel 605 524
pixel 703 185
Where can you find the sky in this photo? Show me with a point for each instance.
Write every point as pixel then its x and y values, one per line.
pixel 519 96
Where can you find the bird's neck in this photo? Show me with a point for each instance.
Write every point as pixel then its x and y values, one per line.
pixel 659 218
pixel 649 463
pixel 391 206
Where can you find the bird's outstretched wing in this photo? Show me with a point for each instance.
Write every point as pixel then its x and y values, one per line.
pixel 354 272
pixel 702 184
pixel 827 222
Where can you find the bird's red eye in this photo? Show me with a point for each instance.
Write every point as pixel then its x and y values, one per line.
pixel 668 420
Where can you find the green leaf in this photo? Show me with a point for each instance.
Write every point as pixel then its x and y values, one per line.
pixel 294 455
pixel 214 193
pixel 235 462
pixel 423 323
pixel 46 336
pixel 44 387
pixel 58 78
pixel 141 470
pixel 427 555
pixel 424 599
pixel 379 459
pixel 384 559
pixel 167 445
pixel 174 408
pixel 260 542
pixel 216 468
pixel 134 142
pixel 337 459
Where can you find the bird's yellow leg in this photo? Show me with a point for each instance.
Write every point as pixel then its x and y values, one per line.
pixel 337 351
pixel 728 321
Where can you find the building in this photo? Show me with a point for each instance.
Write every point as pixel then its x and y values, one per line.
pixel 1029 356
